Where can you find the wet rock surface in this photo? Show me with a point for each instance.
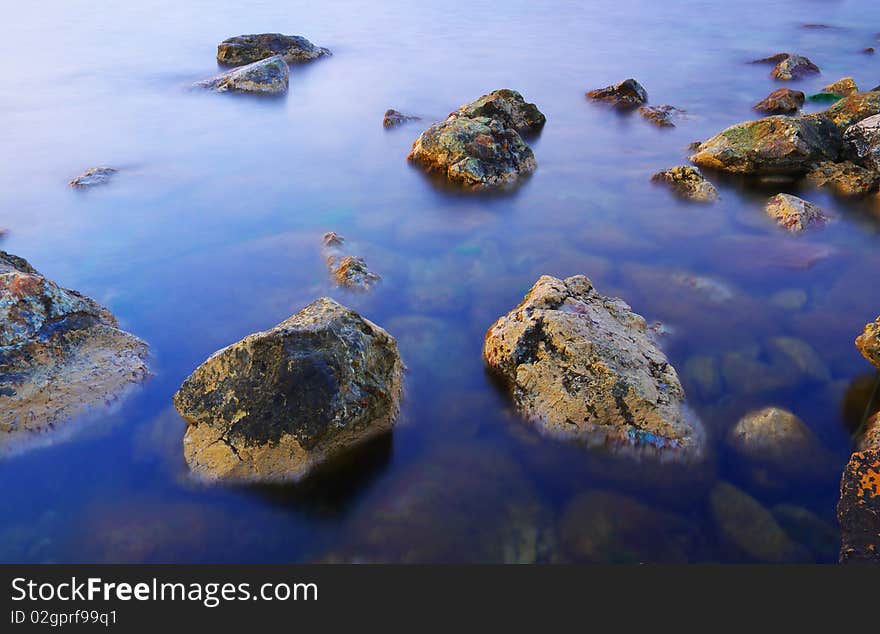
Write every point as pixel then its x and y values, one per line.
pixel 858 510
pixel 627 94
pixel 92 177
pixel 507 106
pixel 844 178
pixel 268 76
pixel 247 49
pixel 688 182
pixel 843 87
pixel 61 353
pixel 862 142
pixel 348 271
pixel 855 108
pixel 394 118
pixel 868 342
pixel 662 116
pixel 781 101
pixel 794 67
pixel 583 367
pixel 794 214
pixel 279 402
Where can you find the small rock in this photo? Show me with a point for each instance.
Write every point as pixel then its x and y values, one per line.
pixel 93 176
pixel 843 87
pixel 347 270
pixel 793 213
pixel 845 178
pixel 247 49
pixel 662 116
pixel 267 76
pixel 850 110
pixel 797 357
pixel 868 51
pixel 868 342
pixel 394 118
pixel 794 67
pixel 772 59
pixel 704 372
pixel 789 299
pixel 627 94
pixel 862 142
pixel 688 182
pixel 858 510
pixel 781 101
pixel 507 106
pixel 809 530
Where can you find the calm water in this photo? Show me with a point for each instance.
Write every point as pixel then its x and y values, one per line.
pixel 212 231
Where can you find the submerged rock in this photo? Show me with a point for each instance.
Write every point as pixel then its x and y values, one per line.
pixel 278 402
pixel 479 152
pixel 793 213
pixel 347 270
pixel 770 146
pixel 688 182
pixel 842 87
pixel 584 367
pixel 267 76
pixel 781 101
pixel 858 509
pixel 627 94
pixel 394 118
pixel 507 106
pixel 247 49
pixel 868 342
pixel 93 176
pixel 794 67
pixel 852 109
pixel 845 178
pixel 809 530
pixel 662 116
pixel 61 353
pixel 862 142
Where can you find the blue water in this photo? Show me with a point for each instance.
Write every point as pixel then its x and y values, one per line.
pixel 212 229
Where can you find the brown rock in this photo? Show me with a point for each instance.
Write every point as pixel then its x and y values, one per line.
pixel 627 94
pixel 793 213
pixel 688 182
pixel 794 67
pixel 844 179
pixel 781 101
pixel 869 342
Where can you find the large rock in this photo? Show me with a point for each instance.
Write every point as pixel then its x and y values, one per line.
pixel 793 213
pixel 247 49
pixel 480 152
pixel 869 342
pixel 852 109
pixel 858 510
pixel 842 87
pixel 844 178
pixel 862 142
pixel 688 182
pixel 794 67
pixel 627 94
pixel 507 106
pixel 61 353
pixel 268 76
pixel 770 146
pixel 584 367
pixel 781 101
pixel 278 402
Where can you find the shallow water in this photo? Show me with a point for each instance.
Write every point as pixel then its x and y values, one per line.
pixel 212 231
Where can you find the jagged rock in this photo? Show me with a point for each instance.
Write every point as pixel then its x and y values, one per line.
pixel 793 213
pixel 869 342
pixel 781 101
pixel 584 367
pixel 772 59
pixel 348 271
pixel 845 178
pixel 858 509
pixel 506 106
pixel 61 353
pixel 850 110
pixel 247 49
pixel 479 152
pixel 394 118
pixel 843 87
pixel 870 434
pixel 627 94
pixel 278 402
pixel 770 146
pixel 662 116
pixel 93 176
pixel 862 142
pixel 267 76
pixel 688 182
pixel 794 67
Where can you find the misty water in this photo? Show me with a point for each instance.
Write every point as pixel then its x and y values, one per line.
pixel 212 230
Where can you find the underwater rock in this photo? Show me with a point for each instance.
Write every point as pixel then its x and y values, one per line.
pixel 809 530
pixel 773 145
pixel 348 271
pixel 394 118
pixel 868 342
pixel 267 76
pixel 478 152
pixel 507 106
pixel 858 509
pixel 627 94
pixel 278 402
pixel 794 67
pixel 61 353
pixel 842 87
pixel 781 101
pixel 662 116
pixel 845 178
pixel 688 182
pixel 862 142
pixel 850 110
pixel 789 299
pixel 793 213
pixel 584 368
pixel 93 176
pixel 704 372
pixel 247 49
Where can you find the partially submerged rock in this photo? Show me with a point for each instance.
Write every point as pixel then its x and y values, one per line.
pixel 247 49
pixel 794 67
pixel 842 87
pixel 267 76
pixel 348 271
pixel 394 118
pixel 93 176
pixel 862 142
pixel 584 367
pixel 61 353
pixel 688 182
pixel 772 59
pixel 781 101
pixel 627 94
pixel 507 106
pixel 868 342
pixel 793 213
pixel 845 178
pixel 852 109
pixel 278 402
pixel 662 116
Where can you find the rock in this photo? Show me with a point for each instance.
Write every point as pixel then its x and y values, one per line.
pixel 583 367
pixel 793 67
pixel 477 152
pixel 268 76
pixel 850 110
pixel 843 87
pixel 825 97
pixel 61 353
pixel 789 299
pixel 688 182
pixel 770 146
pixel 394 118
pixel 868 51
pixel 845 178
pixel 793 213
pixel 809 530
pixel 278 402
pixel 93 176
pixel 781 101
pixel 858 510
pixel 744 523
pixel 862 142
pixel 348 271
pixel 797 356
pixel 870 434
pixel 704 373
pixel 868 342
pixel 506 106
pixel 627 94
pixel 772 59
pixel 662 116
pixel 247 49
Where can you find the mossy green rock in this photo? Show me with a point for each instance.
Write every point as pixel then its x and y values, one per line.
pixel 247 49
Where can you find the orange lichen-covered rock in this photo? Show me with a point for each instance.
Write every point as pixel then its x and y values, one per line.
pixel 858 510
